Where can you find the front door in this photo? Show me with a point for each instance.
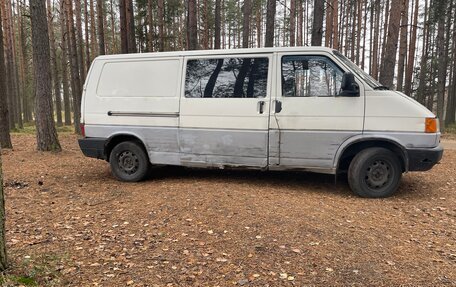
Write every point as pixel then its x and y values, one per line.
pixel 309 121
pixel 224 111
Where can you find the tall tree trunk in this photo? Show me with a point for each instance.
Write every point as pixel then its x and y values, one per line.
pixel 317 26
pixel 93 31
pixel 55 71
pixel 161 25
pixel 421 95
pixel 335 24
pixel 442 62
pixel 46 135
pixel 100 28
pixel 270 20
pixel 80 39
pixel 299 36
pixel 130 27
pixel 75 77
pixel 293 23
pixel 451 104
pixel 247 11
pixel 402 46
pixel 26 102
pixel 9 64
pixel 86 34
pixel 411 56
pixel 385 27
pixel 150 18
pixel 64 64
pixel 389 60
pixel 123 27
pixel 192 28
pixel 218 24
pixel 329 24
pixel 5 139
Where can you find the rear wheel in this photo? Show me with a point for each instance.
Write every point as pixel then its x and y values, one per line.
pixel 129 161
pixel 375 172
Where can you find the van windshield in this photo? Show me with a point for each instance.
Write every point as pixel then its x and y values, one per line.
pixel 360 72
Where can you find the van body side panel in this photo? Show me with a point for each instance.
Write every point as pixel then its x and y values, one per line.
pixel 308 130
pixel 139 98
pixel 161 142
pixel 225 131
pixel 393 111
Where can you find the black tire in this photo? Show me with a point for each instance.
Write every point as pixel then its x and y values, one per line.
pixel 375 173
pixel 129 162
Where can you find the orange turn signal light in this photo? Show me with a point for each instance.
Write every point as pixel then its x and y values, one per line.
pixel 431 125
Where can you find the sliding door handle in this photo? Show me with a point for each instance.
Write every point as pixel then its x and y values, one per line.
pixel 260 107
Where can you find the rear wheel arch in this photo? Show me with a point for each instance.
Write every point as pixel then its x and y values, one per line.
pixel 119 138
pixel 350 151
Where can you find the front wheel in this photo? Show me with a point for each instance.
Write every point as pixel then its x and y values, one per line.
pixel 129 162
pixel 374 172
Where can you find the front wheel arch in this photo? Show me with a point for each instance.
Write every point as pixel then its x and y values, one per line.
pixel 350 151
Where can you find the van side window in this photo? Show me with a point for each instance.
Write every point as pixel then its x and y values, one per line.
pixel 226 78
pixel 310 76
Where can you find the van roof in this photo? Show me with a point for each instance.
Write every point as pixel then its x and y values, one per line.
pixel 216 52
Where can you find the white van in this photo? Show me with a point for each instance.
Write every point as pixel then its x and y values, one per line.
pixel 304 108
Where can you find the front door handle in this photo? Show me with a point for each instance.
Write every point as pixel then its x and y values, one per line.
pixel 260 107
pixel 277 106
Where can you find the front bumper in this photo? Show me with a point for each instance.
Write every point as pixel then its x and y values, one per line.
pixel 93 147
pixel 424 159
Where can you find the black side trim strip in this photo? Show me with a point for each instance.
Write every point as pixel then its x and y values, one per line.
pixel 140 114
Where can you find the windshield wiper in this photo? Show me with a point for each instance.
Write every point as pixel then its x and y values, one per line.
pixel 381 88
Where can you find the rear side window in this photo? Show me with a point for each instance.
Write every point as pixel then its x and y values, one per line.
pixel 153 78
pixel 226 78
pixel 310 76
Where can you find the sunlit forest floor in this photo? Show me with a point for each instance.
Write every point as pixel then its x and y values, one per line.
pixel 70 223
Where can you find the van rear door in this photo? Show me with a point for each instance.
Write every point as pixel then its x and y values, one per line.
pixel 224 111
pixel 309 119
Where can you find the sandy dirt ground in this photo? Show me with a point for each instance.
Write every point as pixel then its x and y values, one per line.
pixel 70 223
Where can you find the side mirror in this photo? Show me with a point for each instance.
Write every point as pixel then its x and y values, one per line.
pixel 349 87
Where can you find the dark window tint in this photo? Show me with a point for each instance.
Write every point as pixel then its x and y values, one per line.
pixel 226 78
pixel 310 76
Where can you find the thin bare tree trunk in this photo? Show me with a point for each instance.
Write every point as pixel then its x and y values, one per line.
pixel 55 71
pixel 161 25
pixel 317 26
pixel 329 24
pixel 293 23
pixel 335 22
pixel 80 39
pixel 86 32
pixel 150 17
pixel 270 20
pixel 93 31
pixel 192 28
pixel 64 64
pixel 411 56
pixel 75 77
pixel 100 28
pixel 402 46
pixel 389 60
pixel 247 11
pixel 3 256
pixel 218 24
pixel 130 27
pixel 300 23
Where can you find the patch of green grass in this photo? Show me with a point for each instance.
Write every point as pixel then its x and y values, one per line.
pixel 40 270
pixel 21 280
pixel 30 129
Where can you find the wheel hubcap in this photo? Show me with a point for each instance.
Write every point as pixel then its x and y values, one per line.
pixel 378 174
pixel 128 162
